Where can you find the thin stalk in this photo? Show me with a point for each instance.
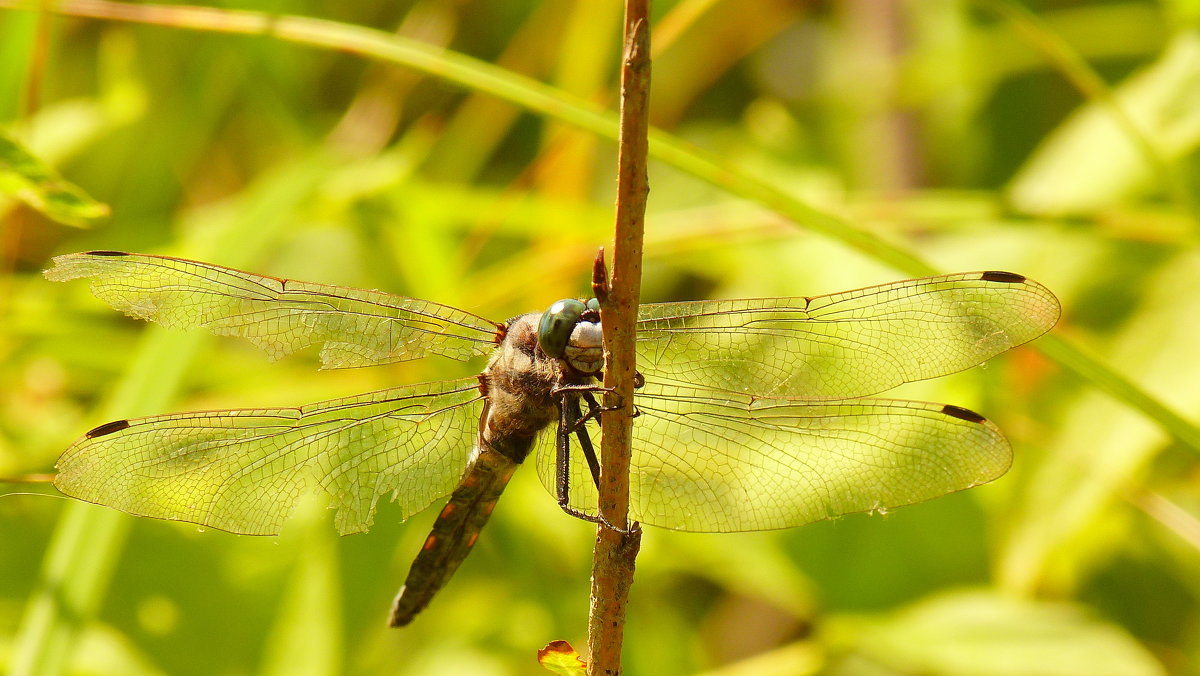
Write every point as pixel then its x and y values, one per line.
pixel 616 551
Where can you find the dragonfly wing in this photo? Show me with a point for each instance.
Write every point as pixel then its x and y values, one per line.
pixel 243 470
pixel 714 461
pixel 844 345
pixel 355 327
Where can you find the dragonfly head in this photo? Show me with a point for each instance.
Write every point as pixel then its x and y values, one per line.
pixel 570 331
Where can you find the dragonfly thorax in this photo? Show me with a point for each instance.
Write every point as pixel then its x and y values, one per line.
pixel 519 383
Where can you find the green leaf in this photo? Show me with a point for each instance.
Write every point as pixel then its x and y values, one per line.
pixel 28 179
pixel 989 634
pixel 1122 144
pixel 560 658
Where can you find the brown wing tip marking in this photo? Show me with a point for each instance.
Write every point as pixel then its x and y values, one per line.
pixel 103 252
pixel 962 413
pixel 1000 276
pixel 107 428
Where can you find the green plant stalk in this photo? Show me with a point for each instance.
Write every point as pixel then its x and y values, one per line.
pixel 74 575
pixel 89 539
pixel 1087 367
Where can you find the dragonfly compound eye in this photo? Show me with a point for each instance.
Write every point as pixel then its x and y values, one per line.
pixel 557 323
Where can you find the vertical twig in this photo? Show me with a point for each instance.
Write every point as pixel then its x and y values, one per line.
pixel 613 564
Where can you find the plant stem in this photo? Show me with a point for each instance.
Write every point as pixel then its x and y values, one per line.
pixel 615 552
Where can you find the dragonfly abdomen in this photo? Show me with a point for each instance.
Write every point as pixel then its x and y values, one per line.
pixel 454 532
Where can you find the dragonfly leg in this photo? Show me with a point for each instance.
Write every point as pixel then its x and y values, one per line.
pixel 570 421
pixel 585 439
pixel 562 456
pixel 595 409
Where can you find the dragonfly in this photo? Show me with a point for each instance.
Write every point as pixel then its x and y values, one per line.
pixel 751 414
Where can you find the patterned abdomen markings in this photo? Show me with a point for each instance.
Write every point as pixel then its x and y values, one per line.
pixel 454 533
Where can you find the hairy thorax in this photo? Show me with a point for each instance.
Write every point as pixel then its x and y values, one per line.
pixel 519 380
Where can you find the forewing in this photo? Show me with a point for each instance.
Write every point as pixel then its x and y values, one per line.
pixel 354 327
pixel 714 461
pixel 243 470
pixel 843 345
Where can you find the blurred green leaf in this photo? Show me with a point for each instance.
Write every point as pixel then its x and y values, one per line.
pixel 439 176
pixel 1093 161
pixel 1051 527
pixel 307 635
pixel 33 182
pixel 89 539
pixel 800 658
pixel 985 634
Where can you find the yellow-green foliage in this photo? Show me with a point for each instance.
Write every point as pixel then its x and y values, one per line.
pixel 461 152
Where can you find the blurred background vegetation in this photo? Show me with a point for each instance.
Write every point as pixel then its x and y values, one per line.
pixel 1056 139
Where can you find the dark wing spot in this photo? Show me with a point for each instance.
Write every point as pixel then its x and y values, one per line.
pixel 107 428
pixel 962 413
pixel 107 253
pixel 1006 277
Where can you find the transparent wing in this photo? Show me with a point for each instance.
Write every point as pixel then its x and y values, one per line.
pixel 843 345
pixel 713 461
pixel 354 327
pixel 243 470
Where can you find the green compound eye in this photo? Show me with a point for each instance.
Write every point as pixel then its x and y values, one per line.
pixel 593 304
pixel 557 323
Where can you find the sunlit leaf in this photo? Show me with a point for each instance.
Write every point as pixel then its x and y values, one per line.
pixel 26 178
pixel 992 635
pixel 559 657
pixel 1092 161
